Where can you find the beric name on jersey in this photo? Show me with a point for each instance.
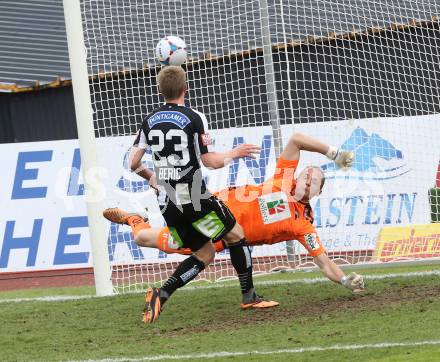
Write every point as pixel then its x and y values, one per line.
pixel 177 135
pixel 169 173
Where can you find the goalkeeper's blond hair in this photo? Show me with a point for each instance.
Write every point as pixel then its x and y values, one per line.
pixel 172 82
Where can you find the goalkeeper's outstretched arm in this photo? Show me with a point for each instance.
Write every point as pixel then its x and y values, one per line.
pixel 332 271
pixel 300 142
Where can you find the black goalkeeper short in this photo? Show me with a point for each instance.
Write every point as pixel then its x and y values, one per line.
pixel 191 228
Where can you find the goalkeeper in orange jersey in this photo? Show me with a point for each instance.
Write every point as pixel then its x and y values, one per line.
pixel 271 212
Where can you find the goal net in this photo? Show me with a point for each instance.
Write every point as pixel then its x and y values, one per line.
pixel 361 75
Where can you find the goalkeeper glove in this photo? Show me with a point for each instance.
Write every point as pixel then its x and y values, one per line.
pixel 343 159
pixel 354 282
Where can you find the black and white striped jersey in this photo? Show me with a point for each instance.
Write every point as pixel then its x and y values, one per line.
pixel 177 136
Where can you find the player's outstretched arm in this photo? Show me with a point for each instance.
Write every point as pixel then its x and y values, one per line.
pixel 136 165
pixel 352 281
pixel 221 159
pixel 300 142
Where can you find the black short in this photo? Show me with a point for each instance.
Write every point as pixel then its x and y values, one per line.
pixel 192 228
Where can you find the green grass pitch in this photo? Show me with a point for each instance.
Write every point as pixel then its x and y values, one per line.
pixel 198 321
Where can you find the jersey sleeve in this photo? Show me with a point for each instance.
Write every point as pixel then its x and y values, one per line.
pixel 141 139
pixel 202 140
pixel 283 178
pixel 285 166
pixel 309 238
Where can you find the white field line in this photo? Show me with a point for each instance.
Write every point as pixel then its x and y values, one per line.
pixel 367 277
pixel 336 347
pixel 53 298
pixel 231 284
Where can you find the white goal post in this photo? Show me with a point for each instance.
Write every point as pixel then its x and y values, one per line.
pixel 86 136
pixel 362 75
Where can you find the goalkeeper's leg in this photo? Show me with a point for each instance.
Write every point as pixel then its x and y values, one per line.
pixel 144 235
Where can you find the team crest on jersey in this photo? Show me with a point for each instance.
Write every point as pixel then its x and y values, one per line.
pixel 177 118
pixel 274 207
pixel 311 241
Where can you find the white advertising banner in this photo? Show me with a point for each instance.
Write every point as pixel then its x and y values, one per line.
pixel 43 222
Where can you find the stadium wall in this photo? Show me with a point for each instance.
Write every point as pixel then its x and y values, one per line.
pixel 331 79
pixel 40 115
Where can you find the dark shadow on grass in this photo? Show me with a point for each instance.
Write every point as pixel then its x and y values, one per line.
pixel 364 302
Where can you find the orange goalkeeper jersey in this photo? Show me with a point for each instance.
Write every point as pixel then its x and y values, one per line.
pixel 268 213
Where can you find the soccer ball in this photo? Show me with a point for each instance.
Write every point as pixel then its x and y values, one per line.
pixel 171 50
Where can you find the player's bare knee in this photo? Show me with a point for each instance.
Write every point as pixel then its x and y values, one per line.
pixel 206 253
pixel 210 258
pixel 235 235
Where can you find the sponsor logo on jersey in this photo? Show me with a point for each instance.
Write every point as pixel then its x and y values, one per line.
pixel 274 207
pixel 209 225
pixel 206 139
pixel 177 118
pixel 311 241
